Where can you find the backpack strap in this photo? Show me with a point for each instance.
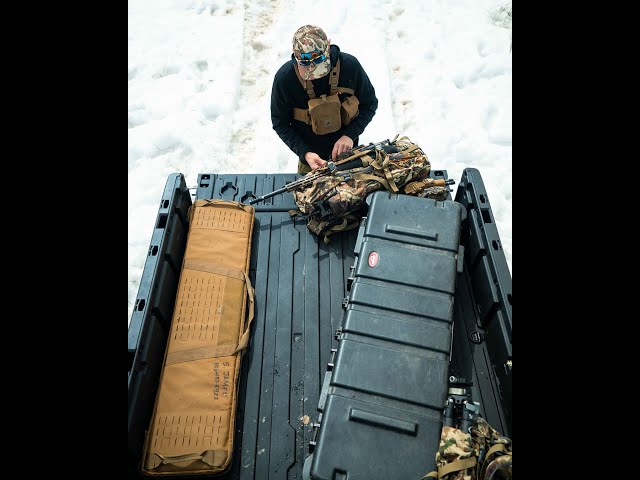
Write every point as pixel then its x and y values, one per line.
pixel 306 84
pixel 213 458
pixel 302 114
pixel 496 462
pixel 410 149
pixel 375 178
pixel 335 76
pixel 498 447
pixel 456 466
pixel 381 163
pixel 349 221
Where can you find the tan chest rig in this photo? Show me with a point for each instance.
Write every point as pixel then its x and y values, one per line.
pixel 327 114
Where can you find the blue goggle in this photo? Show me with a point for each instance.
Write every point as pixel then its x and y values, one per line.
pixel 316 57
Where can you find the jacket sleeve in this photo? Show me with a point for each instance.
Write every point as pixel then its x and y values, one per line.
pixel 368 105
pixel 282 119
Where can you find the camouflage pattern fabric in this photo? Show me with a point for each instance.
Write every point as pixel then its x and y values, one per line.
pixel 437 193
pixel 493 466
pixel 499 468
pixel 407 167
pixel 491 450
pixel 306 39
pixel 456 445
pixel 348 196
pixel 342 198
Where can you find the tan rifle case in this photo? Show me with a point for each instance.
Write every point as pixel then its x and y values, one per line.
pixel 192 426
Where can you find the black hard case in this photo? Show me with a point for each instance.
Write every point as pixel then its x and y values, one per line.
pixel 385 391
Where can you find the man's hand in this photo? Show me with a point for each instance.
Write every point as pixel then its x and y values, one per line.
pixel 314 160
pixel 344 144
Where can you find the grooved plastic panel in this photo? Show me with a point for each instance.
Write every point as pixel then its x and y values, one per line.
pixel 389 381
pixel 300 284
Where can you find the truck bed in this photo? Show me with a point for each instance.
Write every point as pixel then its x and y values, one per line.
pixel 300 284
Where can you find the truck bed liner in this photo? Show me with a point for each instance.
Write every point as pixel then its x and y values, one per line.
pixel 300 284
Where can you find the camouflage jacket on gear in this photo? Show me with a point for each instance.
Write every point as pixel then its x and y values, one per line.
pixel 333 203
pixel 482 455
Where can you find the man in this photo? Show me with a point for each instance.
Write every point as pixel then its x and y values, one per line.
pixel 315 119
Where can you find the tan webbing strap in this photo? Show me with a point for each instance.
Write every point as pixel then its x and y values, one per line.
pixel 366 160
pixel 410 149
pixel 414 187
pixel 430 475
pixel 227 271
pixel 392 182
pixel 383 165
pixel 366 176
pixel 306 84
pixel 406 139
pixel 364 153
pixel 194 354
pixel 244 339
pixel 315 226
pixel 213 458
pixel 419 185
pixel 218 203
pixel 302 115
pixel 209 352
pixel 334 228
pixel 344 226
pixel 300 78
pixel 497 463
pixel 223 203
pixel 379 163
pixel 335 77
pixel 216 350
pixel 217 269
pixel 333 82
pixel 498 447
pixel 457 466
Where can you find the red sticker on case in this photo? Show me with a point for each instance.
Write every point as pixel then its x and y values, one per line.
pixel 373 259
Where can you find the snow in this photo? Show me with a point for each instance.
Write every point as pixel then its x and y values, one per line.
pixel 200 76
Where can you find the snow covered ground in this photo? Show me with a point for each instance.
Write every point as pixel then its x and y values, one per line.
pixel 200 75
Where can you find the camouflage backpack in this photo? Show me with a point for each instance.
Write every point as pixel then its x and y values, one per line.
pixel 336 202
pixel 483 454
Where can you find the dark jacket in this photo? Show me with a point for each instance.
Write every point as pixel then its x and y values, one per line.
pixel 288 92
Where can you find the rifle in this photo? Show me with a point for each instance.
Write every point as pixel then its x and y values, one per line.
pixel 350 162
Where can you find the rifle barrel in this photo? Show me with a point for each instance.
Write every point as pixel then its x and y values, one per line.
pixel 288 187
pixel 266 196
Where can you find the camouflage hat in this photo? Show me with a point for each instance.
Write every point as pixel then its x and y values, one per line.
pixel 307 39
